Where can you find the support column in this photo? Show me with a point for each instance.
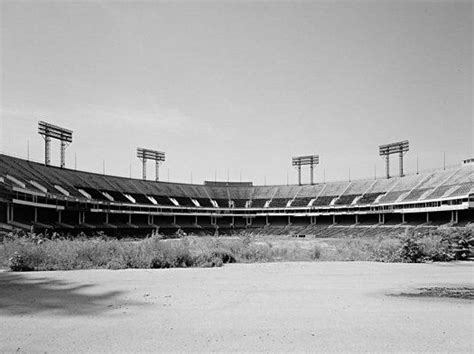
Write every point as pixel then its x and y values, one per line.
pixel 47 150
pixel 129 218
pixel 289 220
pixel 427 217
pixel 312 173
pixel 456 218
pixel 387 166
pixel 333 219
pixel 403 218
pixel 106 218
pixel 59 216
pixel 157 171
pixel 174 219
pixel 63 154
pixel 266 219
pixel 356 218
pixel 36 215
pixel 299 175
pixel 401 163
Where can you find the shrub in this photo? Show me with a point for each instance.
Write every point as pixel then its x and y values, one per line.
pixel 17 263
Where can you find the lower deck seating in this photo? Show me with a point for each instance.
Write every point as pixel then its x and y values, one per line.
pixel 345 199
pixel 301 202
pixel 438 192
pixel 258 203
pixel 95 194
pixel 223 203
pixel 140 198
pixel 279 203
pixel 204 202
pixel 163 200
pixel 184 201
pixel 323 201
pixel 240 203
pixel 415 195
pixel 391 197
pixel 368 198
pixel 463 189
pixel 118 197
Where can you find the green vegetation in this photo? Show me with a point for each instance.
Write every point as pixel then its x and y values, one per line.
pixel 22 251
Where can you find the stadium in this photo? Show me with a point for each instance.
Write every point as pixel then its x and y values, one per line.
pixel 255 176
pixel 59 199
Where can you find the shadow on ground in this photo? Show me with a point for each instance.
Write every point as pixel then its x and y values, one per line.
pixel 23 294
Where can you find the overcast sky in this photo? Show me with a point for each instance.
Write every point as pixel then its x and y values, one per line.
pixel 239 86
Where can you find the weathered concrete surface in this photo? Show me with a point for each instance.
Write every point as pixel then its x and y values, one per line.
pixel 246 307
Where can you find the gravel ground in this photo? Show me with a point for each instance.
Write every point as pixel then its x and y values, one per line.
pixel 334 306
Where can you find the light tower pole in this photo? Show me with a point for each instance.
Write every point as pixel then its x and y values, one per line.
pixel 147 154
pixel 47 150
pixel 144 168
pixel 48 131
pixel 310 160
pixel 386 150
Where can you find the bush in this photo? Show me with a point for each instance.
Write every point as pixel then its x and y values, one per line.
pixel 17 263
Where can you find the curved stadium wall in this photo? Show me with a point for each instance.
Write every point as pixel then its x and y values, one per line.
pixel 46 197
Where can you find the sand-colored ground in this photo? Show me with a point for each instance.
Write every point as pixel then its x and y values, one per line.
pixel 241 307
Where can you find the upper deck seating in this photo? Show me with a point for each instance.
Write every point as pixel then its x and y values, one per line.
pixel 286 192
pixel 356 188
pixel 334 189
pixel 65 183
pixel 310 191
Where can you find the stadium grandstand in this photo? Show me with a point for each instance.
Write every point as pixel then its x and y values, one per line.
pixel 59 199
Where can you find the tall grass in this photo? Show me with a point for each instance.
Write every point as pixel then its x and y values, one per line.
pixel 24 252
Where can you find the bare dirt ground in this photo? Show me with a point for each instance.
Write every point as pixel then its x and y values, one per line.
pixel 240 307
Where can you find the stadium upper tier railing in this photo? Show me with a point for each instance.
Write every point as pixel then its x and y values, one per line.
pixel 60 183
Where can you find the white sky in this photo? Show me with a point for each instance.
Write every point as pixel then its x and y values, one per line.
pixel 239 86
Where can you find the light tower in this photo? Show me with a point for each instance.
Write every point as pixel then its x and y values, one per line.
pixel 147 154
pixel 310 160
pixel 49 131
pixel 386 150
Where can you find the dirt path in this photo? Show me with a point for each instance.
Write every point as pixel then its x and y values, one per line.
pixel 255 307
